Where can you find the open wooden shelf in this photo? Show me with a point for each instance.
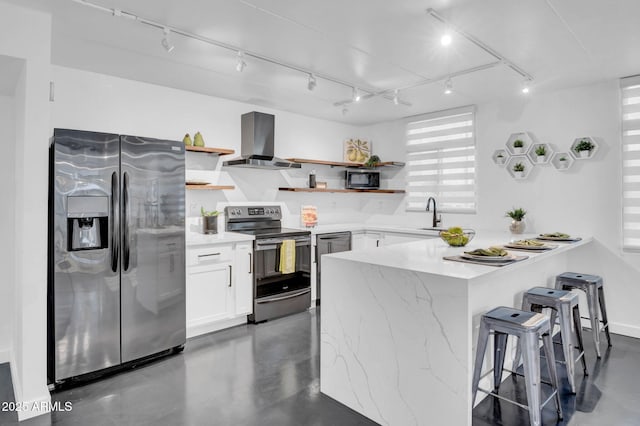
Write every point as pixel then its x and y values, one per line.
pixel 209 150
pixel 343 164
pixel 378 191
pixel 213 187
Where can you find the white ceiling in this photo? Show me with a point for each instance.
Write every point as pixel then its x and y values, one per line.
pixel 374 44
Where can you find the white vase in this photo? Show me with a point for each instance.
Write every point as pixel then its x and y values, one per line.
pixel 500 160
pixel 518 150
pixel 518 175
pixel 584 154
pixel 517 227
pixel 541 158
pixel 563 164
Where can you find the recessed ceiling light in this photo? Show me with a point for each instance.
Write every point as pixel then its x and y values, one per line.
pixel 311 84
pixel 448 87
pixel 355 95
pixel 446 39
pixel 240 64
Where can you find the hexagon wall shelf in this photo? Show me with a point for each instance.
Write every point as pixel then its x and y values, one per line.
pixel 527 141
pixel 537 159
pixel 524 160
pixel 580 155
pixel 500 157
pixel 562 165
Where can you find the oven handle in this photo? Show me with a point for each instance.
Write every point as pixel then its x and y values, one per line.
pixel 288 296
pixel 271 246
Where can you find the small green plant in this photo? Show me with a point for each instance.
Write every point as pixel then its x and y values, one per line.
pixel 562 158
pixel 500 155
pixel 204 212
pixel 518 167
pixel 584 145
pixel 516 214
pixel 372 161
pixel 518 143
pixel 541 150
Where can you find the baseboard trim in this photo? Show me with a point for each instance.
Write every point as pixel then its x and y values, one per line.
pixel 33 408
pixel 625 329
pixel 197 329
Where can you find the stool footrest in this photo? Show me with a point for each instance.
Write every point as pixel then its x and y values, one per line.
pixel 526 407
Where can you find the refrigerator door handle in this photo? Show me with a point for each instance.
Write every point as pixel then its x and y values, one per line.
pixel 125 221
pixel 115 234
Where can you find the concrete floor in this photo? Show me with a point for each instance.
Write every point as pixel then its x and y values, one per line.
pixel 269 375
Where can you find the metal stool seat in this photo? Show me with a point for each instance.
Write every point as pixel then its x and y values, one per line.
pixel 564 306
pixel 528 327
pixel 592 285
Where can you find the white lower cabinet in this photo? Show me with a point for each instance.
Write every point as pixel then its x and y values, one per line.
pixel 219 287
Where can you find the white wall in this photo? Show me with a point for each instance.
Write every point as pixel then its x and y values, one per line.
pixel 97 102
pixel 7 192
pixel 584 200
pixel 26 34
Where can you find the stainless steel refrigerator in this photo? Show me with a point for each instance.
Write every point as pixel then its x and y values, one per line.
pixel 116 287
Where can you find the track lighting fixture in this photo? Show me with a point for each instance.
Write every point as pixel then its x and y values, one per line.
pixel 240 64
pixel 165 40
pixel 448 87
pixel 345 110
pixel 311 84
pixel 526 86
pixel 355 95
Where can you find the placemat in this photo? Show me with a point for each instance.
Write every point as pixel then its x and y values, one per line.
pixel 478 262
pixel 568 240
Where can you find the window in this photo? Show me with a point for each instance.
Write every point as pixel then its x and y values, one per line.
pixel 441 153
pixel 631 162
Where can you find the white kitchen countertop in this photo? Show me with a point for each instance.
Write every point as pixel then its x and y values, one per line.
pixel 224 237
pixel 427 255
pixel 360 227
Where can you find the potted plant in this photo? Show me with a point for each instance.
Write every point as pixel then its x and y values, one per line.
pixel 518 170
pixel 584 148
pixel 541 154
pixel 209 221
pixel 518 146
pixel 500 158
pixel 517 223
pixel 563 163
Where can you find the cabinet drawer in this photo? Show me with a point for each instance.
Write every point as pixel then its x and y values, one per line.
pixel 212 254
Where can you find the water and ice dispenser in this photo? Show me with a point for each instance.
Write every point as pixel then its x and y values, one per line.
pixel 87 222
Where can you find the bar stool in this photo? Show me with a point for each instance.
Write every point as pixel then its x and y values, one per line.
pixel 564 305
pixel 528 327
pixel 592 286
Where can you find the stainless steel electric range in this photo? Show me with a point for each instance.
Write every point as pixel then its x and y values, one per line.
pixel 274 294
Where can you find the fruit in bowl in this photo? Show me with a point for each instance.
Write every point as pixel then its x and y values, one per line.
pixel 457 237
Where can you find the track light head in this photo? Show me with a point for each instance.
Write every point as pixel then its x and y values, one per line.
pixel 395 97
pixel 446 39
pixel 448 87
pixel 355 95
pixel 526 87
pixel 240 64
pixel 311 84
pixel 165 41
pixel 345 110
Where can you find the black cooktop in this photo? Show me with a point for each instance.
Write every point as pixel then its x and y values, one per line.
pixel 274 232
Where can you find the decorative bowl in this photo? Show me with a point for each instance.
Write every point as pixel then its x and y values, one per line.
pixel 457 239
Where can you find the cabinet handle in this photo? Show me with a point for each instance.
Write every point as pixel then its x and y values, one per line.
pixel 377 243
pixel 230 274
pixel 208 255
pixel 250 264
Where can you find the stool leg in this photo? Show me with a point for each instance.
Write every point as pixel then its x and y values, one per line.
pixel 592 302
pixel 551 364
pixel 499 349
pixel 531 356
pixel 578 326
pixel 603 309
pixel 481 347
pixel 567 344
pixel 526 306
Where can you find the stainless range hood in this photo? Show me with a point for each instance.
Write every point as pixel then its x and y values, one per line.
pixel 256 149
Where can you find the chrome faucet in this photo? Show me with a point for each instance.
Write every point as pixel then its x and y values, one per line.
pixel 436 218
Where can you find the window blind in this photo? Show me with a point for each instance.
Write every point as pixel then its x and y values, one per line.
pixel 441 161
pixel 631 162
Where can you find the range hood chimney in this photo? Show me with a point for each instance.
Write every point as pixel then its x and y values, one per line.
pixel 256 149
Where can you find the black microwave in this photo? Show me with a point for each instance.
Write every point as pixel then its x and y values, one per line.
pixel 362 179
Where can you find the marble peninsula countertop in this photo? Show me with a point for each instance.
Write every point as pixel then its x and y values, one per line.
pixel 360 227
pixel 427 255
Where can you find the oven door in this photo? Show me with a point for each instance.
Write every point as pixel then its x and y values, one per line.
pixel 269 281
pixel 267 256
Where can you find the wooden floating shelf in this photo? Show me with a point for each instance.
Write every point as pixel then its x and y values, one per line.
pixel 343 164
pixel 375 191
pixel 209 150
pixel 213 187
